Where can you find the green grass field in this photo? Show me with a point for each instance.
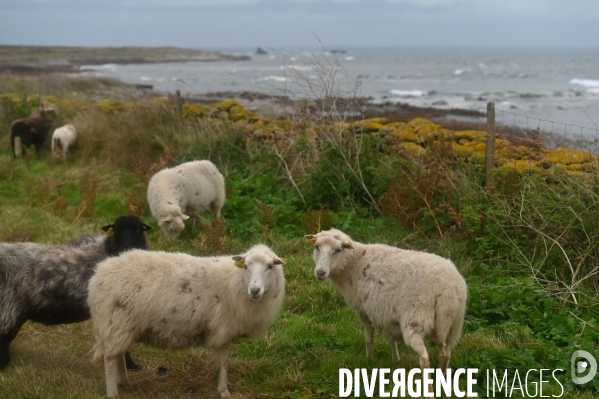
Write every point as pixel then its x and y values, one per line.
pixel 512 321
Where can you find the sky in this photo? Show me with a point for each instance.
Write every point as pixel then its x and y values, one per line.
pixel 305 23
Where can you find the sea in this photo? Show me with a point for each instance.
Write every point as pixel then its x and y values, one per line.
pixel 552 89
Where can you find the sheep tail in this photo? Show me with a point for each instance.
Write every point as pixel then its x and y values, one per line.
pixel 449 319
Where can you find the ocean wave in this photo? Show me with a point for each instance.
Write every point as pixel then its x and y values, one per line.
pixel 148 79
pixel 462 71
pixel 98 67
pixel 585 82
pixel 276 78
pixel 408 93
pixel 297 67
pixel 508 104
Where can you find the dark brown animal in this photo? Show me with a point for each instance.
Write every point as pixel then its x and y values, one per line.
pixel 32 130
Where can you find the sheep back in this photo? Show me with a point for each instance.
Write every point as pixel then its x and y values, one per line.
pixel 415 288
pixel 64 137
pixel 46 283
pixel 191 186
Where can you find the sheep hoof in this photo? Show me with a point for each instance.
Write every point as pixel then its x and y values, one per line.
pixel 225 395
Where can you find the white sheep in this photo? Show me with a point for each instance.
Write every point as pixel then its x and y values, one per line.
pixel 174 300
pixel 399 292
pixel 190 188
pixel 63 137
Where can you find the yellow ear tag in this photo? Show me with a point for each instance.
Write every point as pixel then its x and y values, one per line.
pixel 109 232
pixel 239 263
pixel 310 241
pixel 284 260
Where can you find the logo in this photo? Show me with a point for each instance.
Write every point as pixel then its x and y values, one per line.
pixel 580 367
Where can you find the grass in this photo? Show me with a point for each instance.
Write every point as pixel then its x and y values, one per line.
pixel 512 322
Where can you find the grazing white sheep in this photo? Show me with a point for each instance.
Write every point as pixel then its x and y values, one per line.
pixel 190 188
pixel 64 137
pixel 174 300
pixel 399 292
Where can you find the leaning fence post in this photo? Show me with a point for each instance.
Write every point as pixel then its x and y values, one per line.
pixel 490 153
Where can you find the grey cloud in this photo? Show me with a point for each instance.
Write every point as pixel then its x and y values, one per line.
pixel 242 23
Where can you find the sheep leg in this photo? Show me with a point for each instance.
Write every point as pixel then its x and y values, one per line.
pixel 416 342
pixel 223 360
pixel 5 341
pixel 123 380
pixel 129 363
pixel 369 332
pixel 215 209
pixel 111 369
pixel 394 351
pixel 444 355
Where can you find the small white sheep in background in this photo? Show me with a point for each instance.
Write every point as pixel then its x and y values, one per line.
pixel 190 188
pixel 64 137
pixel 174 300
pixel 399 292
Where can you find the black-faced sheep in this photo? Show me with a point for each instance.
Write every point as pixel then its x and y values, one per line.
pixel 64 138
pixel 403 294
pixel 48 283
pixel 32 130
pixel 190 188
pixel 174 300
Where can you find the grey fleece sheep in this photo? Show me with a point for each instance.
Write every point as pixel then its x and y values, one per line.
pixel 403 294
pixel 48 283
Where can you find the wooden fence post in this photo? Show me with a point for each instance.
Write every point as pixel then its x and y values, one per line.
pixel 490 153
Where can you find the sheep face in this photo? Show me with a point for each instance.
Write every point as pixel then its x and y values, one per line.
pixel 260 272
pixel 127 232
pixel 330 249
pixel 173 225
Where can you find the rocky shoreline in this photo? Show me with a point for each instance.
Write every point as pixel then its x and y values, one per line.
pixel 46 60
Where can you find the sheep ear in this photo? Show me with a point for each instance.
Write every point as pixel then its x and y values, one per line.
pixel 239 261
pixel 108 230
pixel 146 227
pixel 310 239
pixel 348 245
pixel 166 219
pixel 184 216
pixel 280 261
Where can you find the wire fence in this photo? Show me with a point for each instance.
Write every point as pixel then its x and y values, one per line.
pixel 530 129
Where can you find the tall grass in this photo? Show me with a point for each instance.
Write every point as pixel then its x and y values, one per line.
pixel 289 178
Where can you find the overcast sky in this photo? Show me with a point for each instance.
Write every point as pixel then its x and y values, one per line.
pixel 282 23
